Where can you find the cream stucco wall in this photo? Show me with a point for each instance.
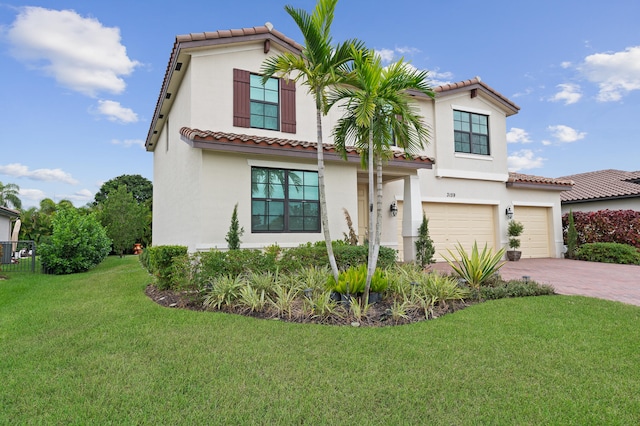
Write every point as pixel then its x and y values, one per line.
pixel 5 228
pixel 195 190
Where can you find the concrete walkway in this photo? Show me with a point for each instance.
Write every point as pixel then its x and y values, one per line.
pixel 602 280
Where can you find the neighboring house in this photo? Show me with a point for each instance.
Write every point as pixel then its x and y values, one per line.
pixel 7 216
pixel 602 189
pixel 219 137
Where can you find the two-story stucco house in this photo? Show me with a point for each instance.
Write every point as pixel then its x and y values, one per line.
pixel 220 137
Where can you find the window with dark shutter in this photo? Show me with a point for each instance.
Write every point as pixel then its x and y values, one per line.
pixel 241 103
pixel 269 106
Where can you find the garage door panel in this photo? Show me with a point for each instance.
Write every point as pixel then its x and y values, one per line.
pixel 535 237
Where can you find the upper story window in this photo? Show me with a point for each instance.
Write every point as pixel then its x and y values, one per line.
pixel 284 200
pixel 264 103
pixel 471 132
pixel 270 106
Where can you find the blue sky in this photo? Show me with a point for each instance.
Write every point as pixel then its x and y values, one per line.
pixel 80 79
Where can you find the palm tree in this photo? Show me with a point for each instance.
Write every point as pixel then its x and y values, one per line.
pixel 319 66
pixel 378 111
pixel 9 195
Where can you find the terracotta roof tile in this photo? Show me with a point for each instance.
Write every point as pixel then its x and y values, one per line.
pixel 473 82
pixel 209 135
pixel 540 180
pixel 603 184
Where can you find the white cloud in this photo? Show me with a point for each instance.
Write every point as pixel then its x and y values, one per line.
pixel 80 53
pixel 386 55
pixel 546 142
pixel 406 50
pixel 31 194
pixel 83 196
pixel 566 64
pixel 116 112
pixel 127 143
pixel 566 134
pixel 437 78
pixel 523 160
pixel 616 74
pixel 516 135
pixel 569 93
pixel 49 175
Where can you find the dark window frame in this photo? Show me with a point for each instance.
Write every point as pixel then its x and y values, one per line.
pixel 470 141
pixel 286 202
pixel 265 103
pixel 242 102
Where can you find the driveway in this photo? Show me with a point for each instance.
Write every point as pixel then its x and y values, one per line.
pixel 602 280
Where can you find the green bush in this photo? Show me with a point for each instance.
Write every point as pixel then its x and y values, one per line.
pixel 161 264
pixel 233 263
pixel 78 243
pixel 609 253
pixel 515 288
pixel 143 257
pixel 346 256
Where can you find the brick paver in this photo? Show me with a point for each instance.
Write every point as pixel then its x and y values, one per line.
pixel 592 279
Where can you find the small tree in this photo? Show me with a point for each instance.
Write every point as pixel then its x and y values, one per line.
pixel 572 238
pixel 424 245
pixel 235 231
pixel 123 218
pixel 78 243
pixel 514 230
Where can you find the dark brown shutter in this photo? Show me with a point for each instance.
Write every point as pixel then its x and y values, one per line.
pixel 241 100
pixel 288 105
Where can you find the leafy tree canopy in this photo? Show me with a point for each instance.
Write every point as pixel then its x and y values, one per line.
pixel 124 218
pixel 139 186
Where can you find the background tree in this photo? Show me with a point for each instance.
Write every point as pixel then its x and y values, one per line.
pixel 318 67
pixel 123 218
pixel 379 111
pixel 9 196
pixel 77 244
pixel 139 186
pixel 235 231
pixel 141 189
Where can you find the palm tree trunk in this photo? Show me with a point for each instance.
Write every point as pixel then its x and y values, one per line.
pixel 372 221
pixel 324 217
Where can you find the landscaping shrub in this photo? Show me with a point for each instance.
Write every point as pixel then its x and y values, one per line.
pixel 346 256
pixel 609 253
pixel 233 263
pixel 78 243
pixel 605 226
pixel 162 267
pixel 515 288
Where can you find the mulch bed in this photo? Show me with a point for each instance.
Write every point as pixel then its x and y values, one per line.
pixel 377 316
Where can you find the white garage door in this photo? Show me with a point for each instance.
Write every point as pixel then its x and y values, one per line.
pixel 453 223
pixel 534 241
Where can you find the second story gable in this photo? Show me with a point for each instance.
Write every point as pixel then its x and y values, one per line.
pixel 213 83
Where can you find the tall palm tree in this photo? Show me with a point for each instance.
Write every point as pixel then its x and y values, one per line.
pixel 9 195
pixel 321 65
pixel 379 111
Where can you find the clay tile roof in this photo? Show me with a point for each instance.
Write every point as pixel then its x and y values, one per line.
pixel 278 143
pixel 475 82
pixel 603 184
pixel 520 178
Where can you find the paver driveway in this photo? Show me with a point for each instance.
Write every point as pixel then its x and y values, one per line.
pixel 592 279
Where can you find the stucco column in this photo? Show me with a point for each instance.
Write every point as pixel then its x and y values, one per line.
pixel 411 216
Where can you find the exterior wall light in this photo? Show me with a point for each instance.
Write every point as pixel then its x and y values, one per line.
pixel 509 213
pixel 393 209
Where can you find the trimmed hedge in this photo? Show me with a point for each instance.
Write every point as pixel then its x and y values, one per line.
pixel 605 226
pixel 169 264
pixel 609 253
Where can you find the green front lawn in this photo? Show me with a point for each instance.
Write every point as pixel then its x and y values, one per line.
pixel 92 348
